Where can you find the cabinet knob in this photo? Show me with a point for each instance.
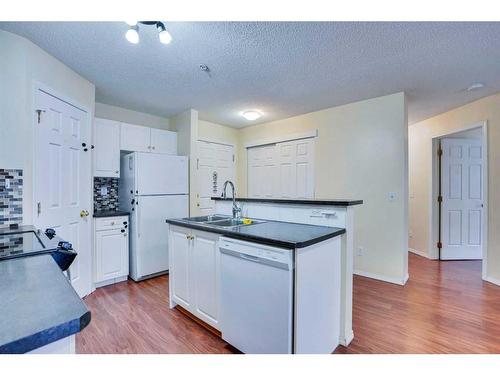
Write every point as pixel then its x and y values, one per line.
pixel 117 172
pixel 153 147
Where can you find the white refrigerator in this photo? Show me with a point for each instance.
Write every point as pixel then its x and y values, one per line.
pixel 153 188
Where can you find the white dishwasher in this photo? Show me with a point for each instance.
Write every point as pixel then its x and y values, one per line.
pixel 256 297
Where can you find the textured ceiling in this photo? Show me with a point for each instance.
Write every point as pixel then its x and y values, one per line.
pixel 281 69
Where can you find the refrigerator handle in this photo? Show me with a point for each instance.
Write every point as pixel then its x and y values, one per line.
pixel 138 226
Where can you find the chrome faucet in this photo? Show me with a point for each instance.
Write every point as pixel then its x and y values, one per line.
pixel 236 209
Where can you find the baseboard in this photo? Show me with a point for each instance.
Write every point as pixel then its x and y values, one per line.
pixel 419 252
pixel 387 279
pixel 345 341
pixel 492 280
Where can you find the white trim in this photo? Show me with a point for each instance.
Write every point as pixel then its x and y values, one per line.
pixel 283 138
pixel 433 224
pixel 345 341
pixel 211 140
pixel 492 280
pixel 387 279
pixel 418 252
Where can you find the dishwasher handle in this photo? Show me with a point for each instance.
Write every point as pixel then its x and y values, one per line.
pixel 252 258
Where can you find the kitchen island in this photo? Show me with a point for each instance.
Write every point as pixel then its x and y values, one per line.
pixel 277 282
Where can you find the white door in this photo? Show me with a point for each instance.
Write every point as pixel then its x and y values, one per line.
pixel 63 180
pixel 215 165
pixel 135 138
pixel 296 169
pixel 462 192
pixel 152 230
pixel 107 148
pixel 161 174
pixel 111 254
pixel 163 141
pixel 205 276
pixel 262 171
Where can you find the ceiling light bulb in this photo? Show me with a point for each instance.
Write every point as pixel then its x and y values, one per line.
pixel 132 35
pixel 251 115
pixel 131 23
pixel 164 35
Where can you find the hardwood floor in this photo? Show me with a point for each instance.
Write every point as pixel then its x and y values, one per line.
pixel 444 308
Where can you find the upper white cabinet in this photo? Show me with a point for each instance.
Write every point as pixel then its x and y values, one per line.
pixel 163 141
pixel 135 138
pixel 144 139
pixel 107 148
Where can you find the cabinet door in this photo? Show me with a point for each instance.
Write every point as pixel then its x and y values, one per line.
pixel 135 138
pixel 111 254
pixel 163 141
pixel 180 267
pixel 205 276
pixel 107 148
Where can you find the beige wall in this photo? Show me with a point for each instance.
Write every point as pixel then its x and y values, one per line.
pixel 420 152
pixel 212 132
pixel 361 153
pixel 22 65
pixel 111 112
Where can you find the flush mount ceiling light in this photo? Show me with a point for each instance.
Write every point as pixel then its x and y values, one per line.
pixel 475 86
pixel 132 33
pixel 251 115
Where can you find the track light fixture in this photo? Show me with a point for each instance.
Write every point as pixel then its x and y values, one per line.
pixel 132 33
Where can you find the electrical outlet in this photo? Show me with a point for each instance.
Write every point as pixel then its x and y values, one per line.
pixel 104 191
pixel 7 183
pixel 359 251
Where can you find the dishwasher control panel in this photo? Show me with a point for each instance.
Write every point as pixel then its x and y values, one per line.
pixel 257 250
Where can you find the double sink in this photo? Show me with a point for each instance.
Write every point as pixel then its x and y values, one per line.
pixel 221 221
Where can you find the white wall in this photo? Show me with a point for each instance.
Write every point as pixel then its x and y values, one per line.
pixel 22 64
pixel 361 153
pixel 111 112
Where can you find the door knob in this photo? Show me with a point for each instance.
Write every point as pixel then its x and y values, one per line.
pixel 84 213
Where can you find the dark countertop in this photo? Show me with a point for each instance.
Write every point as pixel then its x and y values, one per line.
pixel 272 233
pixel 110 213
pixel 317 202
pixel 38 304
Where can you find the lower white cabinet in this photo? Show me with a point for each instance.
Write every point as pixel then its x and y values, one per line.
pixel 194 273
pixel 111 250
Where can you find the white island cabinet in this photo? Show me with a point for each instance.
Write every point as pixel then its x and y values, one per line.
pixel 194 273
pixel 263 299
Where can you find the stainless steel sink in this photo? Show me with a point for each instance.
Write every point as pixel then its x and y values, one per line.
pixel 206 219
pixel 233 223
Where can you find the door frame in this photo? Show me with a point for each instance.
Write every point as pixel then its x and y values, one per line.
pixel 434 207
pixel 39 86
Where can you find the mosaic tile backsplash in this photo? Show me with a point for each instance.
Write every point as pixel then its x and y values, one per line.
pixel 105 202
pixel 11 197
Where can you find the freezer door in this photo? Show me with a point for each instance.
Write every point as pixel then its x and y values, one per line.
pixel 161 174
pixel 152 231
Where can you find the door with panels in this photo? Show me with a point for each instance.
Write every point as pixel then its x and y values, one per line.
pixel 62 180
pixel 462 198
pixel 107 148
pixel 215 165
pixel 262 170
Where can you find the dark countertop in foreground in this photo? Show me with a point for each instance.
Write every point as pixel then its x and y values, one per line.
pixel 38 304
pixel 312 202
pixel 110 213
pixel 272 233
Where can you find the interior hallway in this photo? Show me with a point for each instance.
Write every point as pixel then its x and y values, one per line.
pixel 444 308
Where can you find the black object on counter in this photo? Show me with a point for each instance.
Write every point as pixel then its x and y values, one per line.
pixel 26 241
